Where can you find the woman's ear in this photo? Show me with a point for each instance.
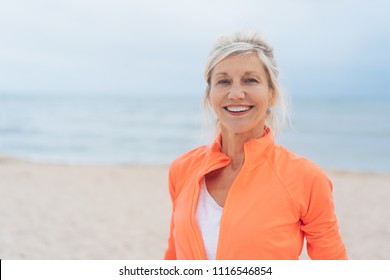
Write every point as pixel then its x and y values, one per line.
pixel 272 97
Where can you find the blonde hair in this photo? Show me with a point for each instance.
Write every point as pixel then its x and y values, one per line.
pixel 247 43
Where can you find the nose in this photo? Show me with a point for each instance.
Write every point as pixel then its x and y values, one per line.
pixel 236 91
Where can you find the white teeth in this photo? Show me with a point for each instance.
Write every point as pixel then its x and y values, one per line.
pixel 238 108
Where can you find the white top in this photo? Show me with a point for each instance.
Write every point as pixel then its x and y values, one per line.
pixel 208 217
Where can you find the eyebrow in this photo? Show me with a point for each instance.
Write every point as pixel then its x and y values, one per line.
pixel 252 73
pixel 246 73
pixel 221 74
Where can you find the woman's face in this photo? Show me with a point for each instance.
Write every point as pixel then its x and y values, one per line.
pixel 240 94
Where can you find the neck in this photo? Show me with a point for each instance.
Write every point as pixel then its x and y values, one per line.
pixel 233 145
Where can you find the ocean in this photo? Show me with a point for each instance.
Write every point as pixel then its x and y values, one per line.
pixel 348 133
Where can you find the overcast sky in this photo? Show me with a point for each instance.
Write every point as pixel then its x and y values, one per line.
pixel 160 47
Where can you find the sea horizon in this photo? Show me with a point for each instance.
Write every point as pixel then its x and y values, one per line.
pixel 335 132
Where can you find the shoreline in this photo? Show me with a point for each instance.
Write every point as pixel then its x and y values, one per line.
pixel 10 159
pixel 122 211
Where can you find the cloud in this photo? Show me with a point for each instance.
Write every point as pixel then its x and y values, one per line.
pixel 147 46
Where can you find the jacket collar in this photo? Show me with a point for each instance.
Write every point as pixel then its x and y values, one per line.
pixel 255 151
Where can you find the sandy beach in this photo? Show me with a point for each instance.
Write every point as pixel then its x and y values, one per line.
pixel 60 211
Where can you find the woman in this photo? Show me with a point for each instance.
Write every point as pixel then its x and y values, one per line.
pixel 244 197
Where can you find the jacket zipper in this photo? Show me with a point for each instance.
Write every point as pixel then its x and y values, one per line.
pixel 195 229
pixel 226 204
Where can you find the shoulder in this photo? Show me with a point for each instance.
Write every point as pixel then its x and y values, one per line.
pixel 187 162
pixel 190 157
pixel 301 178
pixel 298 174
pixel 288 163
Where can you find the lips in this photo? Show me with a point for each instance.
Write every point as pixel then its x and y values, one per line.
pixel 237 108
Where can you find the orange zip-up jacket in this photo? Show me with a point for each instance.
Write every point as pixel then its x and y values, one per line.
pixel 276 200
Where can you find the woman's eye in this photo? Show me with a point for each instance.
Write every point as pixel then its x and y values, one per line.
pixel 223 82
pixel 251 80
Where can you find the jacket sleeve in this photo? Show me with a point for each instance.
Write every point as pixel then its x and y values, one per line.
pixel 170 253
pixel 319 221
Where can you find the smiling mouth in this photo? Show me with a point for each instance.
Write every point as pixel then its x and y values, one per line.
pixel 237 109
